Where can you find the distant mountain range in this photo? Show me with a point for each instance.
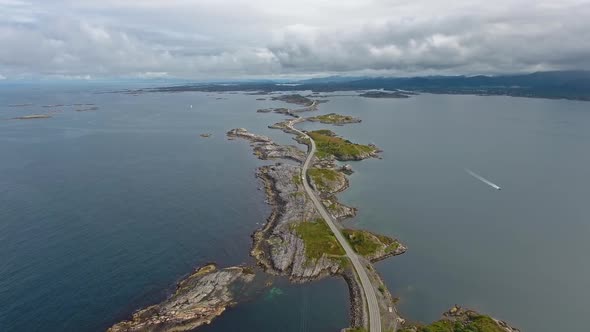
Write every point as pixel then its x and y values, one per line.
pixel 553 84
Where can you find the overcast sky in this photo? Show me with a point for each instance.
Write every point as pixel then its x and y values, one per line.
pixel 262 38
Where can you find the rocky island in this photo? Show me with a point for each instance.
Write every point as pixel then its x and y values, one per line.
pixel 335 119
pixel 382 94
pixel 199 298
pixel 458 319
pixel 294 99
pixel 331 145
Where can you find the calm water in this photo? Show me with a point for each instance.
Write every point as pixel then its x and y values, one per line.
pixel 102 212
pixel 519 254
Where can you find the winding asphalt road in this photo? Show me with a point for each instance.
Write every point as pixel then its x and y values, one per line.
pixel 373 305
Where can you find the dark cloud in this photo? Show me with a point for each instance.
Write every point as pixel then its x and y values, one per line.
pixel 204 39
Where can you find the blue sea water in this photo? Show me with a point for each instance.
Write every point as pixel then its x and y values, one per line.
pixel 102 212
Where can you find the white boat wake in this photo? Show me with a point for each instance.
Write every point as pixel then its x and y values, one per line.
pixel 482 179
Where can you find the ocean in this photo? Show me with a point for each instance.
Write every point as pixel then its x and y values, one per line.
pixel 102 212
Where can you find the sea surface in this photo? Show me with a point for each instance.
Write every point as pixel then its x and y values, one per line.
pixel 102 212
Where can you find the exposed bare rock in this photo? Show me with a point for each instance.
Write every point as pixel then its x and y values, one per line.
pixel 280 110
pixel 335 119
pixel 243 133
pixel 198 299
pixel 276 246
pixel 346 169
pixel 338 210
pixel 265 148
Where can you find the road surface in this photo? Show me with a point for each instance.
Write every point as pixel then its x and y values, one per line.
pixel 366 285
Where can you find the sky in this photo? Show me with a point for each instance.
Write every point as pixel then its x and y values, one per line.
pixel 216 39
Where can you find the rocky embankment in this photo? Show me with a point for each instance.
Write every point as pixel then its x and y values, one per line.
pixel 198 299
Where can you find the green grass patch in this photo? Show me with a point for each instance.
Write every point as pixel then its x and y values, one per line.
pixel 318 239
pixel 297 179
pixel 367 243
pixel 334 118
pixel 475 324
pixel 322 177
pixel 362 242
pixel 329 144
pixel 344 262
pixel 486 324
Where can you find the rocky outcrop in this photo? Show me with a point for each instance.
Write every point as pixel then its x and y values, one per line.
pixel 294 99
pixel 245 134
pixel 382 94
pixel 335 119
pixel 265 148
pixel 276 246
pixel 280 110
pixel 338 210
pixel 460 319
pixel 198 299
pixel 467 316
pixel 327 181
pixel 331 146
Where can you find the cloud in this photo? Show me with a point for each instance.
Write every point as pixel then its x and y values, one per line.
pixel 223 38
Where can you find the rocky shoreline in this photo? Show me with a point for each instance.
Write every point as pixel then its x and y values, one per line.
pixel 461 319
pixel 198 299
pixel 283 245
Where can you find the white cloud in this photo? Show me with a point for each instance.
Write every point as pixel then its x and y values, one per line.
pixel 223 38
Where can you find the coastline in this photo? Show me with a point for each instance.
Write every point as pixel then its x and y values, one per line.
pixel 280 250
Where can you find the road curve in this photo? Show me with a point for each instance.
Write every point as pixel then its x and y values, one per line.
pixel 366 285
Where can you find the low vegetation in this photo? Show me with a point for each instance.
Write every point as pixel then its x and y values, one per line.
pixel 334 118
pixel 357 329
pixel 294 99
pixel 475 323
pixel 328 143
pixel 368 244
pixel 318 239
pixel 382 94
pixel 326 180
